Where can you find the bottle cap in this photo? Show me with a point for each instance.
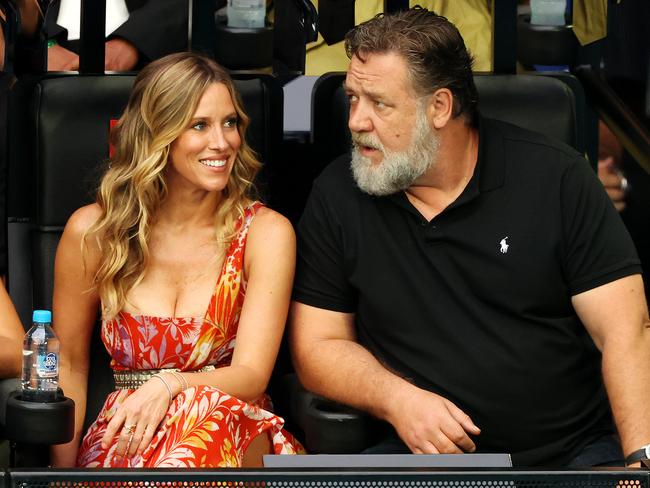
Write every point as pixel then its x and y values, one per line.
pixel 42 316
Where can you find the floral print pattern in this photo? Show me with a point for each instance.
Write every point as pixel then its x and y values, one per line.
pixel 203 426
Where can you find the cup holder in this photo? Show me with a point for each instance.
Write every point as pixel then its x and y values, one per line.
pixel 39 423
pixel 550 45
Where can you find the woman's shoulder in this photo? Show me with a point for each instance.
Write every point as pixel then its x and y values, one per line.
pixel 74 239
pixel 271 241
pixel 82 219
pixel 269 226
pixel 268 220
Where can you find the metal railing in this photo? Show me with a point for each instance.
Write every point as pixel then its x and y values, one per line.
pixel 632 134
pixel 323 478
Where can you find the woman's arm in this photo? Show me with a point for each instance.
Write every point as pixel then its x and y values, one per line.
pixel 269 263
pixel 11 337
pixel 75 309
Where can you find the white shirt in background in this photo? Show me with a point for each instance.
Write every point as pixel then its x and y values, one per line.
pixel 70 14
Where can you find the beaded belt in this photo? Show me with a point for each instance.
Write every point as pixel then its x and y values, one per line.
pixel 131 380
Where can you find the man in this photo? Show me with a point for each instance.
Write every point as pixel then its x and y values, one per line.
pixel 459 281
pixel 138 31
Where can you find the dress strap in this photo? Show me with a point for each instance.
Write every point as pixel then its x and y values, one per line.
pixel 243 224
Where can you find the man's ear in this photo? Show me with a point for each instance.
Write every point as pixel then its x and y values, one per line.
pixel 440 108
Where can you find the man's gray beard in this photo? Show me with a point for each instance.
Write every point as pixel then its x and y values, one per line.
pixel 397 171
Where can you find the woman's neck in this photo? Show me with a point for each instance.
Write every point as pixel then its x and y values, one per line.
pixel 183 209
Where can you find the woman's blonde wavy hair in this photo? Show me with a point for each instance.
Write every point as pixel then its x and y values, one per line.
pixel 164 99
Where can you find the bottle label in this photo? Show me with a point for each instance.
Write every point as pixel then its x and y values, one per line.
pixel 47 365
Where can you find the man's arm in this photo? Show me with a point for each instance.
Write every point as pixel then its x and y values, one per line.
pixel 330 362
pixel 11 337
pixel 616 317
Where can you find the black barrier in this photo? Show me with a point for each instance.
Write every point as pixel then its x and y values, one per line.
pixel 324 478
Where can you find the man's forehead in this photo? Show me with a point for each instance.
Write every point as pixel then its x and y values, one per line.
pixel 376 71
pixel 377 62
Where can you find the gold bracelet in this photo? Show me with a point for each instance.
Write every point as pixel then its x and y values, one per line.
pixel 169 390
pixel 181 380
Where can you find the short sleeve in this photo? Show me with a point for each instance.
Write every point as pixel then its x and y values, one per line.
pixel 597 247
pixel 321 279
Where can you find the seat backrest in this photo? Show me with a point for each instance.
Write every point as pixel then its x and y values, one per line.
pixel 540 103
pixel 58 132
pixel 59 129
pixel 6 81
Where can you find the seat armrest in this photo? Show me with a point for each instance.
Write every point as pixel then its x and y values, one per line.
pixel 7 386
pixel 329 427
pixel 39 423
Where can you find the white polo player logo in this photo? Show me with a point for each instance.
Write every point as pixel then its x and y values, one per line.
pixel 504 245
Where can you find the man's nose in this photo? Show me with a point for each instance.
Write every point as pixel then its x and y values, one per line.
pixel 359 120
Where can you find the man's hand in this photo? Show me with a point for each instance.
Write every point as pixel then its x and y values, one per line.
pixel 613 181
pixel 60 59
pixel 121 55
pixel 426 422
pixel 431 424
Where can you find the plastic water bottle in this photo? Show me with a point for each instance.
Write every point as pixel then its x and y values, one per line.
pixel 40 378
pixel 246 13
pixel 547 12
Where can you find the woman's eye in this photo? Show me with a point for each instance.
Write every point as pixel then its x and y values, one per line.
pixel 231 122
pixel 199 126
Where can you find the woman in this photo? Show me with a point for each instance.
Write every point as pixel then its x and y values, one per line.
pixel 173 216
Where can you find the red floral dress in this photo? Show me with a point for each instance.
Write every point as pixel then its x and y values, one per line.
pixel 203 427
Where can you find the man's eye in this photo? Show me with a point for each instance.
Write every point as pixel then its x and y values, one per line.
pixel 352 98
pixel 380 104
pixel 231 122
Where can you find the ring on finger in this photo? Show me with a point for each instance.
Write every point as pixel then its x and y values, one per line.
pixel 130 429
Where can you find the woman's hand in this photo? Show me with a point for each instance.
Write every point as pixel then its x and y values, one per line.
pixel 138 417
pixel 614 182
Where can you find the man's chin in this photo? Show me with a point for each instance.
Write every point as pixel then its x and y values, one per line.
pixel 375 192
pixel 363 171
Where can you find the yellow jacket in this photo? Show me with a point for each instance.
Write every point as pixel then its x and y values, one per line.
pixel 472 17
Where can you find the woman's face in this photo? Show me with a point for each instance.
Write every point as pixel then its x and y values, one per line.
pixel 202 157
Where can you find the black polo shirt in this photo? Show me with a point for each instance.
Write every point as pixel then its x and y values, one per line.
pixel 475 305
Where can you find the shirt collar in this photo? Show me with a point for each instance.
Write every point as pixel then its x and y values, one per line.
pixel 489 173
pixel 491 164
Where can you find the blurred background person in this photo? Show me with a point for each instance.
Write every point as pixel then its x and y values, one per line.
pixel 137 31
